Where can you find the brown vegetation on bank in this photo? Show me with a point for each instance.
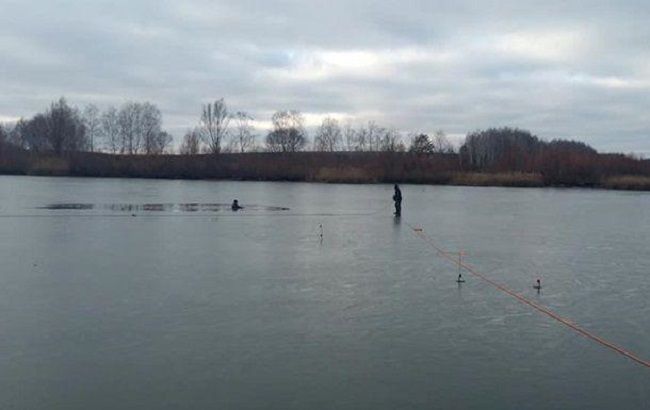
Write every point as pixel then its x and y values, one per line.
pixel 512 179
pixel 597 170
pixel 628 182
pixel 344 167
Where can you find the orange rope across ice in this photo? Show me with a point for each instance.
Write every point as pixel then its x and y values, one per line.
pixel 420 233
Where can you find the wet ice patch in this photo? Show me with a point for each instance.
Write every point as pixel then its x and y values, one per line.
pixel 160 207
pixel 67 206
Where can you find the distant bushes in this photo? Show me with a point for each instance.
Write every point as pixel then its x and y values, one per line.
pixel 558 162
pixel 500 149
pixel 63 129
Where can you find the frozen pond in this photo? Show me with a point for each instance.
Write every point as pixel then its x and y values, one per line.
pixel 154 294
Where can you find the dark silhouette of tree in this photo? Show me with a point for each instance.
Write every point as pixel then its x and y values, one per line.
pixel 373 135
pixel 60 129
pixel 154 139
pixel 569 145
pixel 499 147
pixel 441 144
pixel 350 136
pixel 191 144
pixel 288 134
pixel 110 130
pixel 328 135
pixel 65 130
pixel 370 137
pixel 243 138
pixel 139 126
pixel 92 122
pixel 421 144
pixel 361 139
pixel 4 137
pixel 158 142
pixel 390 140
pixel 214 123
pixel 28 134
pixel 129 124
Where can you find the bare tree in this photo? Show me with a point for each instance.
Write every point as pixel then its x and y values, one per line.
pixel 369 138
pixel 328 136
pixel 26 134
pixel 288 134
pixel 421 144
pixel 158 142
pixel 362 143
pixel 484 149
pixel 134 128
pixel 389 140
pixel 129 128
pixel 350 136
pixel 441 144
pixel 164 143
pixel 14 136
pixel 92 122
pixel 4 137
pixel 191 144
pixel 214 124
pixel 110 130
pixel 65 129
pixel 154 139
pixel 140 129
pixel 243 138
pixel 59 129
pixel 374 136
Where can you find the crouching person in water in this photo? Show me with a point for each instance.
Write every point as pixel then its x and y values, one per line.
pixel 397 197
pixel 235 205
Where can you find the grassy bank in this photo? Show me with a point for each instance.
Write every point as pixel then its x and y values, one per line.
pixel 332 167
pixel 512 179
pixel 344 167
pixel 628 182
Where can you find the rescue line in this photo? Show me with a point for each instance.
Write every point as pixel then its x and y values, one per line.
pixel 419 232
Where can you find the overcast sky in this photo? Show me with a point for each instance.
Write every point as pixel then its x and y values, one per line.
pixel 569 69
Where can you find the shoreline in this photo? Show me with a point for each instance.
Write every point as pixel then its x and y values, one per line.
pixel 318 167
pixel 632 183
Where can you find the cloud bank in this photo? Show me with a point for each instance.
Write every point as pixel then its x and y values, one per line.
pixel 570 69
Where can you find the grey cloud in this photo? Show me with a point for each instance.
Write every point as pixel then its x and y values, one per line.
pixel 559 68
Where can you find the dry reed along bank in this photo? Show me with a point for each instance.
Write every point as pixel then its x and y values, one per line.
pixel 334 167
pixel 628 182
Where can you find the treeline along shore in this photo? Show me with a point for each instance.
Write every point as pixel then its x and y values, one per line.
pixel 611 171
pixel 130 143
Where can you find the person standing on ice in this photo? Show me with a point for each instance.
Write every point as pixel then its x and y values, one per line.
pixel 397 198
